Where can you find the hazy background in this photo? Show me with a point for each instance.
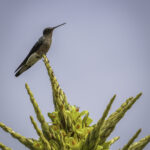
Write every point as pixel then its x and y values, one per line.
pixel 104 49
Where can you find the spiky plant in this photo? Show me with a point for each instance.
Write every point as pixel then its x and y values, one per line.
pixel 70 129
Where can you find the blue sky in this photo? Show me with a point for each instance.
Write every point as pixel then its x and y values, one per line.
pixel 102 50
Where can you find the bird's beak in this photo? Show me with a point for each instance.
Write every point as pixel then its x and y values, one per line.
pixel 59 26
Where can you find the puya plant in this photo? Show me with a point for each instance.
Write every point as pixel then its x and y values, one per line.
pixel 71 129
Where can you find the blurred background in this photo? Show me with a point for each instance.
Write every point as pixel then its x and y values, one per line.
pixel 104 49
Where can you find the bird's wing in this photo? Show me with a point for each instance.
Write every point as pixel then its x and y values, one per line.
pixel 34 49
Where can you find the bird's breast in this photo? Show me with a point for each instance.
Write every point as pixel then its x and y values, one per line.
pixel 44 48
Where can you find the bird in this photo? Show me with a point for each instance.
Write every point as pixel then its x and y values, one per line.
pixel 39 49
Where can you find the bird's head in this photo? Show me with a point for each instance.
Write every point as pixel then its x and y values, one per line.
pixel 49 30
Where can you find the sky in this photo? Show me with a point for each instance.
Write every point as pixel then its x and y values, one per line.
pixel 104 49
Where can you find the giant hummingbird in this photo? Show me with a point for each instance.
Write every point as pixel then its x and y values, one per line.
pixel 40 48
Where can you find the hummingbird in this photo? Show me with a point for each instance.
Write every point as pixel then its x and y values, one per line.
pixel 41 47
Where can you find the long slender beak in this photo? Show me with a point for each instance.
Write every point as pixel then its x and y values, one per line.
pixel 59 26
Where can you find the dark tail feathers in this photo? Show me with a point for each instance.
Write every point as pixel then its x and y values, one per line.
pixel 21 70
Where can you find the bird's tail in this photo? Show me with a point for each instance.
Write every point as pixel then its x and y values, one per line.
pixel 21 70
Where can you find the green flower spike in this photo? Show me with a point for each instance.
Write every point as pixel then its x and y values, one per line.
pixel 110 124
pixel 3 147
pixel 131 140
pixel 93 138
pixel 25 141
pixel 40 117
pixel 140 144
pixel 46 145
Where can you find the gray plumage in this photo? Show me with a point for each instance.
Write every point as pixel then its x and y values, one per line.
pixel 41 47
